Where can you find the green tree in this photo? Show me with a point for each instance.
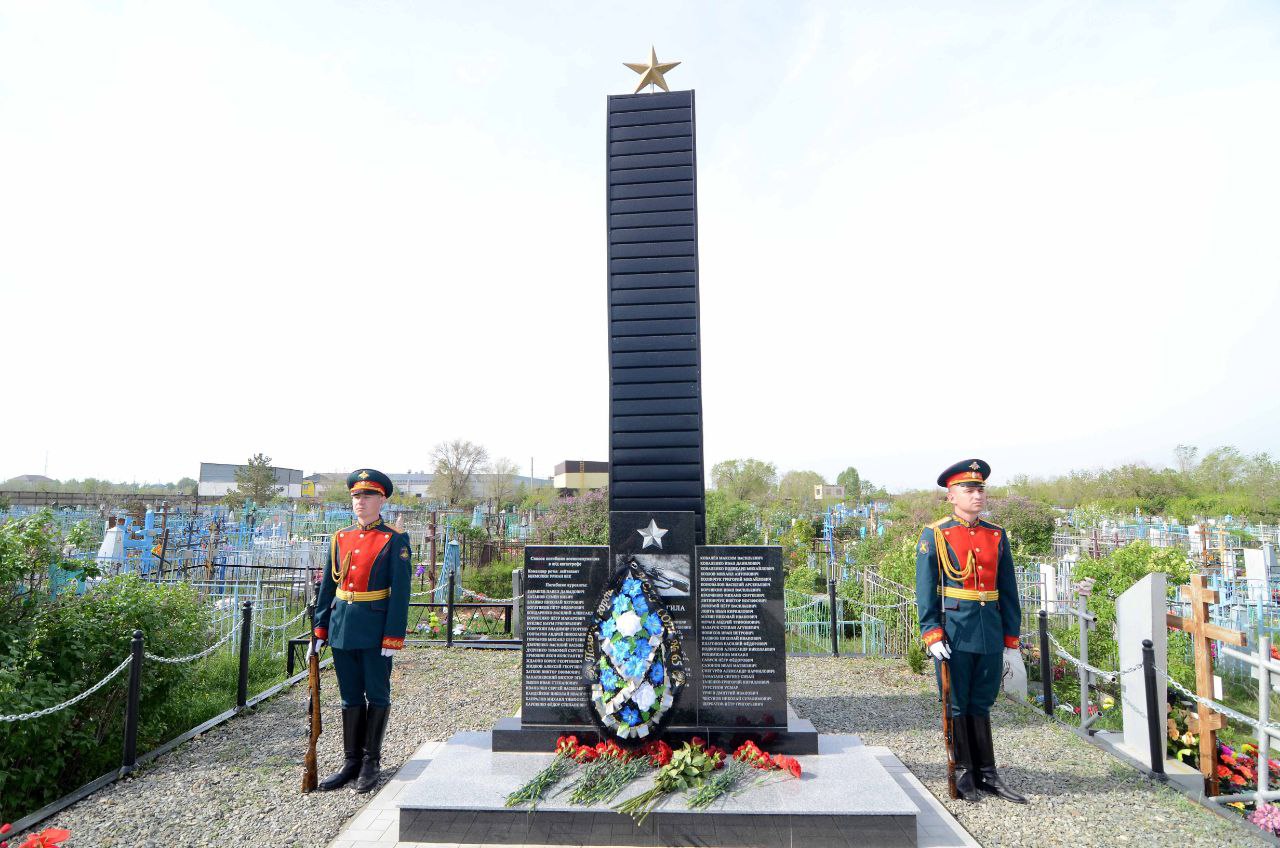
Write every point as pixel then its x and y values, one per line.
pixel 500 484
pixel 730 521
pixel 797 544
pixel 1117 572
pixel 852 484
pixel 1029 524
pixel 1221 469
pixel 255 481
pixel 454 462
pixel 797 487
pixel 745 479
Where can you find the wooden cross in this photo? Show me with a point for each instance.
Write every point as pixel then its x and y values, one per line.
pixel 1202 632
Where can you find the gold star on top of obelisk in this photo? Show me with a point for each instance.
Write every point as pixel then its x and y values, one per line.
pixel 651 74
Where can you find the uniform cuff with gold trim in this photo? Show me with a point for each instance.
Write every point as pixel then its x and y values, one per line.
pixel 322 633
pixel 1011 642
pixel 392 642
pixel 931 636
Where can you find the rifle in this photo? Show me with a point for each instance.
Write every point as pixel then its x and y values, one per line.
pixel 948 729
pixel 309 776
pixel 944 669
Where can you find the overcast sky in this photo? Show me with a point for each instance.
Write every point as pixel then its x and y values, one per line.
pixel 1043 233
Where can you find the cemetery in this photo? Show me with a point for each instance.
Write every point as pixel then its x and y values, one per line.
pixel 652 665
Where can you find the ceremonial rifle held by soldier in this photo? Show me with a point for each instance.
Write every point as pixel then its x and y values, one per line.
pixel 309 773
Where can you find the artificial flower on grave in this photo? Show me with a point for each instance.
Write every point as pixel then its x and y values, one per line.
pixel 1267 817
pixel 637 662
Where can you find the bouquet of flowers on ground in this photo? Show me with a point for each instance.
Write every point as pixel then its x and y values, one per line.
pixel 748 756
pixel 689 766
pixel 569 753
pixel 613 767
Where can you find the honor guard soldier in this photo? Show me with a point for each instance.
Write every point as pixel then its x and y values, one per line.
pixel 967 596
pixel 361 611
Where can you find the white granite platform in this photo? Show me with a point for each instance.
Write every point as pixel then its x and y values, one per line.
pixel 378 825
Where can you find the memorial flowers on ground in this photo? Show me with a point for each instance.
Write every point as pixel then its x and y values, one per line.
pixel 569 752
pixel 47 838
pixel 609 769
pixel 706 771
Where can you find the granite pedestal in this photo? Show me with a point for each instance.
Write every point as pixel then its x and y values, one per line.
pixel 845 798
pixel 798 737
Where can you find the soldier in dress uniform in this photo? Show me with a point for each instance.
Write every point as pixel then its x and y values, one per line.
pixel 361 611
pixel 967 596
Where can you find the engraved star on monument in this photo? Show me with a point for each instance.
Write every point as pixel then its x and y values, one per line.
pixel 652 535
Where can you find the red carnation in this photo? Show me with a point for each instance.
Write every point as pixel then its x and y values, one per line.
pixel 786 763
pixel 47 838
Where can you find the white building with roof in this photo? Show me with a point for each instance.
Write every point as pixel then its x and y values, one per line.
pixel 217 479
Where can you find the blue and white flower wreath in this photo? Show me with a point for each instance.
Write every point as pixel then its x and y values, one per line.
pixel 636 661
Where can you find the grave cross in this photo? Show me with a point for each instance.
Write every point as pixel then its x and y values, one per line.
pixel 1203 631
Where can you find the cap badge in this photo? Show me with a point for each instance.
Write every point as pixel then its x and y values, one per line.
pixel 364 475
pixel 974 466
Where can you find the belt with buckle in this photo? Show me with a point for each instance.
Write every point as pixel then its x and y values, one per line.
pixel 971 594
pixel 344 595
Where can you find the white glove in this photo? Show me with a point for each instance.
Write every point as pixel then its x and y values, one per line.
pixel 388 652
pixel 1012 656
pixel 940 650
pixel 316 646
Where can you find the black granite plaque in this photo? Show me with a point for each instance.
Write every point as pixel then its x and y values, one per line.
pixel 663 542
pixel 742 649
pixel 562 584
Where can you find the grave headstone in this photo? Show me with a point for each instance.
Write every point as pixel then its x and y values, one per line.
pixel 1257 573
pixel 1140 614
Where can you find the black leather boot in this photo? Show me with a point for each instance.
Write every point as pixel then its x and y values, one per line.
pixel 353 731
pixel 989 779
pixel 372 765
pixel 966 785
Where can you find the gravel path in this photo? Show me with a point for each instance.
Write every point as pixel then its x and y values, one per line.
pixel 1079 795
pixel 238 784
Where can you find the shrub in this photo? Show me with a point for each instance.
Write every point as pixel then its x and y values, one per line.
pixel 915 656
pixel 583 520
pixel 1029 524
pixel 73 642
pixel 808 581
pixel 494 580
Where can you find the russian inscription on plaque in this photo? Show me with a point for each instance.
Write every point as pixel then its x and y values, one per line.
pixel 562 584
pixel 741 638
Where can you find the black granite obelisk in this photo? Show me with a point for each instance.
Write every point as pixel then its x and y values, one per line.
pixel 655 389
pixel 726 602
